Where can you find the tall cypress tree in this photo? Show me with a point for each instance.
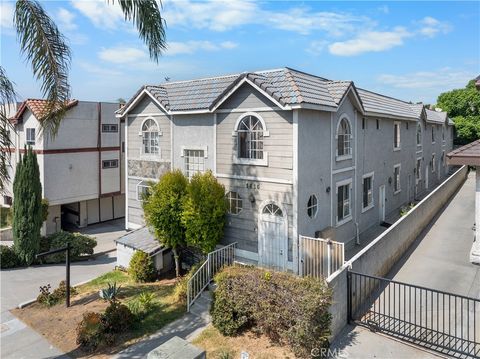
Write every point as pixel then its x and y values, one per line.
pixel 27 207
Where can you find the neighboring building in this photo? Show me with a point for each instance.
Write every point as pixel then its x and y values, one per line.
pixel 298 154
pixel 81 169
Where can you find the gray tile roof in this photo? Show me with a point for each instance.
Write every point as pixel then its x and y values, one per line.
pixel 439 117
pixel 417 109
pixel 287 86
pixel 141 239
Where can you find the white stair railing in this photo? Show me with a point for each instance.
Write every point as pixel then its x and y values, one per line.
pixel 216 260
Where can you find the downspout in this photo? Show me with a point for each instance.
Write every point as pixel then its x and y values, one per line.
pixel 357 231
pixel 99 149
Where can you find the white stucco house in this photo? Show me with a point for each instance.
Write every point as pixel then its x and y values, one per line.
pixel 81 169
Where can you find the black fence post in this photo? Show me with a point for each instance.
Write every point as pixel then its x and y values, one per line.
pixel 349 297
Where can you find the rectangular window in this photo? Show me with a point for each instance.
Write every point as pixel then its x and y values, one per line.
pixel 396 179
pixel 364 123
pixel 432 163
pixel 109 164
pixel 407 125
pixel 30 136
pixel 433 134
pixel 7 200
pixel 368 191
pixel 106 127
pixel 396 135
pixel 194 162
pixel 418 170
pixel 443 133
pixel 378 124
pixel 343 202
pixel 444 159
pixel 143 190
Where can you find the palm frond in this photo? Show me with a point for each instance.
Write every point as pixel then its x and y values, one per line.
pixel 46 49
pixel 8 98
pixel 146 16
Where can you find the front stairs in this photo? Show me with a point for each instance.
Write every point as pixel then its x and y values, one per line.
pixel 201 306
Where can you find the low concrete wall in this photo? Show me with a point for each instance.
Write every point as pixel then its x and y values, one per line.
pixel 383 252
pixel 6 234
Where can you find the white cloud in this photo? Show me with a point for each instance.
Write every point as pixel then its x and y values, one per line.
pixel 122 55
pixel 227 15
pixel 430 27
pixel 438 80
pixel 101 13
pixel 190 47
pixel 317 47
pixel 66 19
pixel 370 41
pixel 384 9
pixel 6 14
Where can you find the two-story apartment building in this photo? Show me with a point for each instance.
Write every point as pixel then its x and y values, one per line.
pixel 81 168
pixel 298 154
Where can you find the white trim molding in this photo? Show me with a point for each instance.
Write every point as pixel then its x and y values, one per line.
pixel 371 205
pixel 254 178
pixel 399 166
pixel 195 148
pixel 347 219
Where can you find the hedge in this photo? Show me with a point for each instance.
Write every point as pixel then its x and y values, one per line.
pixel 80 245
pixel 290 310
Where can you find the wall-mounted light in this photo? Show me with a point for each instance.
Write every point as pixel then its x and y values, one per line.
pixel 70 166
pixel 251 198
pixel 328 189
pixel 389 180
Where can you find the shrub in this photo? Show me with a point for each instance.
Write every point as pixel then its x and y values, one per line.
pixel 142 304
pixel 80 245
pixel 141 267
pixel 58 295
pixel 181 284
pixel 90 331
pixel 117 318
pixel 61 292
pixel 290 310
pixel 8 257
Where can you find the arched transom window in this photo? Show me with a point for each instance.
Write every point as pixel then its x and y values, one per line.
pixel 273 210
pixel 344 136
pixel 419 134
pixel 150 134
pixel 250 138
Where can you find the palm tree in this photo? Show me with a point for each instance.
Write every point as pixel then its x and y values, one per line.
pixel 46 49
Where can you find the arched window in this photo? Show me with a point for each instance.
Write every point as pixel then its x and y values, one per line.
pixel 273 210
pixel 312 206
pixel 150 134
pixel 250 138
pixel 419 134
pixel 344 136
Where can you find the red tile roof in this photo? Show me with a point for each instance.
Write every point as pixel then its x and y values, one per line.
pixel 38 108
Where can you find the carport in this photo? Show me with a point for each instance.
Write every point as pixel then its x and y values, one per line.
pixel 470 155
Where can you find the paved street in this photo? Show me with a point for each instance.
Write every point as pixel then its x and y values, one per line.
pixel 20 285
pixel 438 259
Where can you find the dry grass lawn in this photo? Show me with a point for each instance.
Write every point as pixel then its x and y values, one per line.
pixel 58 323
pixel 218 346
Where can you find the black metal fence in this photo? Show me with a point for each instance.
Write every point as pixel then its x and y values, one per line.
pixel 441 321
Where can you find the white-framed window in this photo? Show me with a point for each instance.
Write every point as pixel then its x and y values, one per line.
pixel 433 133
pixel 143 190
pixel 443 134
pixel 418 170
pixel 250 138
pixel 396 179
pixel 444 159
pixel 396 135
pixel 419 134
pixel 30 136
pixel 234 202
pixel 109 127
pixel 367 198
pixel 364 123
pixel 344 138
pixel 109 164
pixel 194 162
pixel 150 137
pixel 343 202
pixel 432 163
pixel 312 206
pixel 378 123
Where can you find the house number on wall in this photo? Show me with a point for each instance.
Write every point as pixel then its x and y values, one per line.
pixel 251 185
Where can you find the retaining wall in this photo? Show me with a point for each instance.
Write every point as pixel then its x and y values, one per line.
pixel 378 257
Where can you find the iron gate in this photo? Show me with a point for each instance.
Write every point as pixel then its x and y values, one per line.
pixel 445 322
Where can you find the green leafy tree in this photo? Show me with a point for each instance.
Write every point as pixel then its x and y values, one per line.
pixel 47 50
pixel 204 212
pixel 27 208
pixel 163 212
pixel 463 105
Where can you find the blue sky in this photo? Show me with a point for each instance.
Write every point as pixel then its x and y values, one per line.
pixel 410 50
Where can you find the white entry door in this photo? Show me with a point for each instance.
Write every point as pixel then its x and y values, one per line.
pixel 272 237
pixel 381 202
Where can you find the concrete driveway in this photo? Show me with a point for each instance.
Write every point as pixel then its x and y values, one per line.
pixel 22 284
pixel 105 233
